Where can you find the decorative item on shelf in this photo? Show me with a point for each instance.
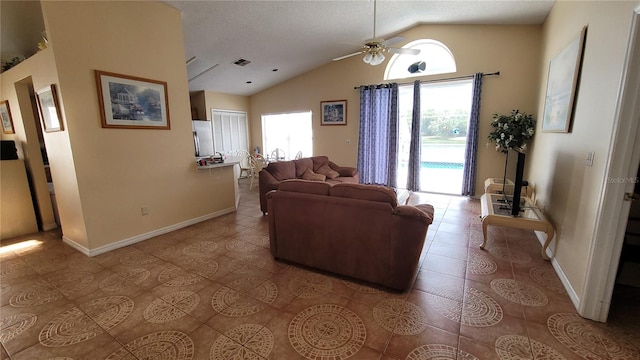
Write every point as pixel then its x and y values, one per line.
pixel 511 132
pixel 45 41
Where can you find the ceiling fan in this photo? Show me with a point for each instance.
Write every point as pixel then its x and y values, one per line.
pixel 374 48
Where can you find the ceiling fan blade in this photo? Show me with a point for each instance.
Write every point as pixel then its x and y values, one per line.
pixel 393 40
pixel 404 51
pixel 349 55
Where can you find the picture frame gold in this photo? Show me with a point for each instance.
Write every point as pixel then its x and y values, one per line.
pixel 131 102
pixel 334 112
pixel 49 109
pixel 7 120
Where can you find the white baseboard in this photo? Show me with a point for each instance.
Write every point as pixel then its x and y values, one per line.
pixel 575 299
pixel 145 236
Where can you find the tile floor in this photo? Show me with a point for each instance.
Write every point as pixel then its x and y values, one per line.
pixel 212 291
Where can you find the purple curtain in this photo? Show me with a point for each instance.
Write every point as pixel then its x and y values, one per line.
pixel 378 137
pixel 413 176
pixel 471 150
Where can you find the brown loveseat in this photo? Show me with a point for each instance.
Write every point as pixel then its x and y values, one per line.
pixel 354 230
pixel 317 168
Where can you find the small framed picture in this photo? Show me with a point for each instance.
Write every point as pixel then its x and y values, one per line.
pixel 334 112
pixel 130 102
pixel 49 109
pixel 7 121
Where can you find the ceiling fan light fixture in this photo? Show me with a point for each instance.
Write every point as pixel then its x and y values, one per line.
pixel 377 59
pixel 367 58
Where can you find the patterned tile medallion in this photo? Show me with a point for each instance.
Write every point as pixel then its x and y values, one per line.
pixel 230 302
pixel 587 340
pixel 243 342
pixel 479 309
pixel 117 282
pixel 439 352
pixel 71 327
pixel 162 345
pixel 513 255
pixel 400 317
pixel 547 277
pixel 327 332
pixel 176 276
pixel 515 347
pixel 137 258
pixel 202 248
pixel 309 285
pixel 13 325
pixel 171 307
pixel 109 311
pixel 38 293
pixel 480 264
pixel 361 288
pixel 240 246
pixel 519 292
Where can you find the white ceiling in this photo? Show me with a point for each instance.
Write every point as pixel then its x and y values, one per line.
pixel 295 36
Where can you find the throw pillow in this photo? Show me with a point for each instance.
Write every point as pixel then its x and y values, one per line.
pixel 310 175
pixel 327 171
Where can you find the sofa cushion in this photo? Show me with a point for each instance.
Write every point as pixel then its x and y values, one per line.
pixel 305 186
pixel 377 193
pixel 282 170
pixel 302 165
pixel 327 171
pixel 319 161
pixel 310 175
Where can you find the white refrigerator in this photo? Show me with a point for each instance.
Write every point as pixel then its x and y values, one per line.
pixel 202 138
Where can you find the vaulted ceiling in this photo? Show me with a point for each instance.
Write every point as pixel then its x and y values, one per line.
pixel 282 39
pixel 295 36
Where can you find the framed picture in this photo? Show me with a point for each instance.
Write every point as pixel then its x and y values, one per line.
pixel 7 121
pixel 334 112
pixel 564 72
pixel 130 102
pixel 49 109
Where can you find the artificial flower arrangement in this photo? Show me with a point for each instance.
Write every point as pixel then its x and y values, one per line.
pixel 512 131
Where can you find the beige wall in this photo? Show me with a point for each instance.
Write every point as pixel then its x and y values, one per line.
pixel 37 72
pixel 121 170
pixel 568 189
pixel 512 50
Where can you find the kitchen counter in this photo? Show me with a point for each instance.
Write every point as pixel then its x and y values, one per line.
pixel 230 161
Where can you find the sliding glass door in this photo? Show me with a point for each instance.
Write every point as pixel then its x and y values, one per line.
pixel 445 109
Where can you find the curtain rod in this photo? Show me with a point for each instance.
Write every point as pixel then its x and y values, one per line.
pixel 438 80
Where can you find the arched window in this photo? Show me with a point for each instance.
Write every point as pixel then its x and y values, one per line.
pixel 436 56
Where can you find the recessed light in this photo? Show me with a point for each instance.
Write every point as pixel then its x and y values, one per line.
pixel 274 70
pixel 249 82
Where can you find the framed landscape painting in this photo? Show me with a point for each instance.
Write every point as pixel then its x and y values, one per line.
pixel 7 121
pixel 130 102
pixel 334 112
pixel 564 72
pixel 49 109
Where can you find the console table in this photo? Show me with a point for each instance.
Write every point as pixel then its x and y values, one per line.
pixel 495 212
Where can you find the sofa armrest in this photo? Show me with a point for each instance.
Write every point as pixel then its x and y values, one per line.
pixel 417 211
pixel 343 170
pixel 267 182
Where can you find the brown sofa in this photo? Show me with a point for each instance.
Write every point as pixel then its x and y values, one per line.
pixel 317 168
pixel 355 230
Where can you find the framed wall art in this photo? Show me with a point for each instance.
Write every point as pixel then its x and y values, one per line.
pixel 49 109
pixel 130 102
pixel 7 120
pixel 334 112
pixel 564 72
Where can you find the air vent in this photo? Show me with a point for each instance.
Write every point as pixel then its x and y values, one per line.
pixel 242 62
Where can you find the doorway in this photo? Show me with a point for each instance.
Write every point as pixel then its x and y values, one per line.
pixel 445 108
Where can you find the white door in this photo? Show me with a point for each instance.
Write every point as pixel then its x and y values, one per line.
pixel 230 131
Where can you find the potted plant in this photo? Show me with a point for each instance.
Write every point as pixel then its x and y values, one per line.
pixel 511 132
